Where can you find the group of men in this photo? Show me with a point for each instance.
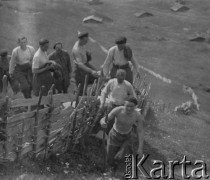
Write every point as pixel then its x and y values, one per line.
pixel 28 70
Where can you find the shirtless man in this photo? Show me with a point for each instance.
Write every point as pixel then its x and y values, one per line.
pixel 126 117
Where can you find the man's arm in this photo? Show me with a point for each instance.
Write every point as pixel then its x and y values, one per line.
pixel 68 62
pixel 79 61
pixel 111 115
pixel 12 63
pixel 140 132
pixel 135 64
pixel 105 93
pixel 107 62
pixel 131 91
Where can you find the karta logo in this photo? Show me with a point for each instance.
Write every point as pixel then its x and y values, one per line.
pixel 134 167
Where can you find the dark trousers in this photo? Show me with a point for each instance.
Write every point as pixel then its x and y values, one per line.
pixel 42 79
pixel 23 74
pixel 114 143
pixel 80 77
pixel 129 73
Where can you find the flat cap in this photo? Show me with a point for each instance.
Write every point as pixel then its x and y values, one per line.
pixel 43 41
pixel 83 34
pixel 121 40
pixel 57 44
pixel 3 52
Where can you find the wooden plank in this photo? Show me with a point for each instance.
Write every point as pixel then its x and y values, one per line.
pixel 26 149
pixel 16 119
pixel 58 99
pixel 29 102
pixel 63 114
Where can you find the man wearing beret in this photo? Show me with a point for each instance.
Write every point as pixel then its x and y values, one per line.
pixel 4 70
pixel 42 69
pixel 120 56
pixel 20 66
pixel 62 57
pixel 81 59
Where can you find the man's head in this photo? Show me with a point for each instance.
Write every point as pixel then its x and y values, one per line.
pixel 58 47
pixel 83 38
pixel 22 41
pixel 3 53
pixel 120 75
pixel 121 42
pixel 44 44
pixel 130 105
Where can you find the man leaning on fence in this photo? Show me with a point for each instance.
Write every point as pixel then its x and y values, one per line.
pixel 120 56
pixel 127 118
pixel 82 59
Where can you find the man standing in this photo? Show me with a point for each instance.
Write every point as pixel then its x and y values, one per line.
pixel 4 70
pixel 42 69
pixel 120 57
pixel 118 90
pixel 20 66
pixel 62 57
pixel 126 118
pixel 81 59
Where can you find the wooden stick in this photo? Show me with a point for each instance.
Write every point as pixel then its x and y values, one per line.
pixel 85 85
pixel 50 94
pixel 36 122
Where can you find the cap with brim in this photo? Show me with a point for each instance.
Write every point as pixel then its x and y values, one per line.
pixel 57 44
pixel 3 52
pixel 82 35
pixel 121 40
pixel 43 42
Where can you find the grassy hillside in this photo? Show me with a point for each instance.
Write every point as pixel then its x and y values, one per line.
pixel 160 43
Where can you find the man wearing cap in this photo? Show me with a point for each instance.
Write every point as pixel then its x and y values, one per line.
pixel 120 56
pixel 62 57
pixel 41 68
pixel 81 59
pixel 20 66
pixel 4 70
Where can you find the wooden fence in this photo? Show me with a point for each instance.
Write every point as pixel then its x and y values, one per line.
pixel 47 124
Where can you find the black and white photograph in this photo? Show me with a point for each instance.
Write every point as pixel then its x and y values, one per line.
pixel 104 89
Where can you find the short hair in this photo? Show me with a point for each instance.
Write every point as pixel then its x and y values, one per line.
pixel 132 100
pixel 83 34
pixel 43 41
pixel 121 40
pixel 22 38
pixel 121 71
pixel 57 43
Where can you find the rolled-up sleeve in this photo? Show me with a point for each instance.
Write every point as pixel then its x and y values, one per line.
pixel 107 62
pixel 12 61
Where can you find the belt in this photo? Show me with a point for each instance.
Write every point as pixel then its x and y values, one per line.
pixel 125 66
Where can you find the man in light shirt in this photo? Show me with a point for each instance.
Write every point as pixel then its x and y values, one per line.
pixel 42 68
pixel 20 66
pixel 118 90
pixel 81 60
pixel 120 56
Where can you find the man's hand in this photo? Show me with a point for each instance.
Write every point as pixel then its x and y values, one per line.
pixel 95 73
pixel 103 123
